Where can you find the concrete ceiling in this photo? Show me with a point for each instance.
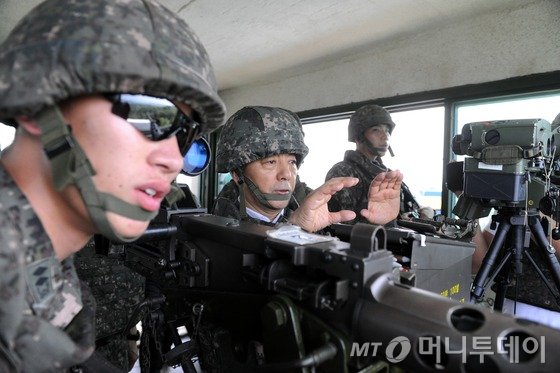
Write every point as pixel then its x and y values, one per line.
pixel 261 40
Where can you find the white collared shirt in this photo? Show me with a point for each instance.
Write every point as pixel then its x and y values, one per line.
pixel 256 215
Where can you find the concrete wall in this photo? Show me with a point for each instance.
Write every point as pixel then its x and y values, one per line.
pixel 521 41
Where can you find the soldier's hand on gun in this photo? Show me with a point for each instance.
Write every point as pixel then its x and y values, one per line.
pixel 384 197
pixel 314 214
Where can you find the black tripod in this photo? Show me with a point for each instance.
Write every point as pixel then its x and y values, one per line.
pixel 513 226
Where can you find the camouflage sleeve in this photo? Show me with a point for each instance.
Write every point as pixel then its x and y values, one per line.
pixel 307 190
pixel 12 295
pixel 226 208
pixel 116 290
pixel 227 203
pixel 348 198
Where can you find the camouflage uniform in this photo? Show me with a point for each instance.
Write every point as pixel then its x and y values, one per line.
pixel 46 316
pixel 117 290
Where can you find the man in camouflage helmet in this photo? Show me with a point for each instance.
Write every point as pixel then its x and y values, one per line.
pixel 370 127
pixel 71 73
pixel 263 147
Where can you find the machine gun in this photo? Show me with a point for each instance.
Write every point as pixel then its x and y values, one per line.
pixel 252 298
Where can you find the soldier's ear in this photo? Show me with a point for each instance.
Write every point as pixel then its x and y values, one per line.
pixel 234 177
pixel 29 124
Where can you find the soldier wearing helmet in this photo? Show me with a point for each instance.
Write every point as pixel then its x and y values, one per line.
pixel 106 96
pixel 370 127
pixel 263 147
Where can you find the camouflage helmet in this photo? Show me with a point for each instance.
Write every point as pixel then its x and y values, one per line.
pixel 368 116
pixel 66 48
pixel 257 132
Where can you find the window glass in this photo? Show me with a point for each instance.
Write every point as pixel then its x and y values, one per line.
pixel 193 182
pixel 6 135
pixel 522 107
pixel 417 142
pixel 223 179
pixel 327 142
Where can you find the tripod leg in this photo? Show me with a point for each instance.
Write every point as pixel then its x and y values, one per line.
pixel 501 289
pixel 479 283
pixel 504 279
pixel 518 234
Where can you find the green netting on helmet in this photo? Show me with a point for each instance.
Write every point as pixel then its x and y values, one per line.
pixel 257 132
pixel 66 48
pixel 365 117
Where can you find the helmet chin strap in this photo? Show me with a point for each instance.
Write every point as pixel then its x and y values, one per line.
pixel 375 150
pixel 70 165
pixel 263 198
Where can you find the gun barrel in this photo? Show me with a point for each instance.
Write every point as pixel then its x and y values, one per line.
pixel 458 222
pixel 427 332
pixel 158 232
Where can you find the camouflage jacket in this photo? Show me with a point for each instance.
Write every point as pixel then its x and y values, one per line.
pixel 117 290
pixel 227 203
pixel 355 198
pixel 46 316
pixel 530 287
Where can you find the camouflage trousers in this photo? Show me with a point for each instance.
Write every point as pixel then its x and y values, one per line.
pixel 116 290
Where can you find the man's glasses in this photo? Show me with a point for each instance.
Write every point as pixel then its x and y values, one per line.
pixel 156 118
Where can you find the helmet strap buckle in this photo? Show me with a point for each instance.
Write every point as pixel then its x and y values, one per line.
pixel 59 146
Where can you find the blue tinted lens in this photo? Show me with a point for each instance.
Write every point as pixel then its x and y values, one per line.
pixel 197 157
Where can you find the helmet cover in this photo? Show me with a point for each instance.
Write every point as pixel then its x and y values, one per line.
pixel 257 132
pixel 66 48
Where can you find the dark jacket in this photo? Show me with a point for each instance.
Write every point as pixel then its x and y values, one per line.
pixel 227 203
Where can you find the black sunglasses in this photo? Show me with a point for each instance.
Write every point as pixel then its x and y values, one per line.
pixel 156 118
